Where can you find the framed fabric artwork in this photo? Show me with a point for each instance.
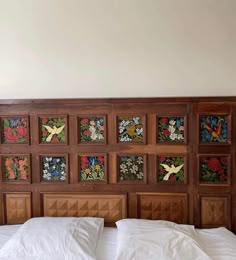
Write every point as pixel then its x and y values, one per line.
pixel 53 129
pixel 171 129
pixel 131 168
pixel 16 168
pixel 92 129
pixel 171 169
pixel 15 130
pixel 214 169
pixel 214 129
pixel 54 168
pixel 131 129
pixel 93 168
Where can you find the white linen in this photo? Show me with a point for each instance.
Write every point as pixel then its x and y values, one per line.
pixel 152 240
pixel 49 238
pixel 218 243
pixel 106 248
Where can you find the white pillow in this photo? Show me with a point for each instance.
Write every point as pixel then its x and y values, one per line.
pixel 54 238
pixel 157 239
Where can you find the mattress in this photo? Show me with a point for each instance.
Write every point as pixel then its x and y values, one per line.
pixel 218 243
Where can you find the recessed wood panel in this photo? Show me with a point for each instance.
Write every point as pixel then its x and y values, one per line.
pixel 215 211
pixel 111 207
pixel 17 207
pixel 171 207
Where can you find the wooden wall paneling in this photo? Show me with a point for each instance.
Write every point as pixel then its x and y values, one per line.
pixel 151 108
pixel 233 177
pixel 111 207
pixel 164 206
pixel 17 207
pixel 215 210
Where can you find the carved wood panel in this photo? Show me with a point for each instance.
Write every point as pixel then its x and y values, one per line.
pixel 215 211
pixel 171 207
pixel 93 146
pixel 17 207
pixel 109 206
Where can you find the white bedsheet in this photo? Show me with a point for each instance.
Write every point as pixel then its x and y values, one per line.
pixel 218 243
pixel 106 247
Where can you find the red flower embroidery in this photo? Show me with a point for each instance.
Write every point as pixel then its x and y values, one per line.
pixel 222 177
pixel 100 159
pixel 164 120
pixel 172 178
pixel 224 160
pixel 162 159
pixel 22 131
pixel 9 135
pixel 54 139
pixel 86 132
pixel 84 121
pixel 165 132
pixel 214 164
pixel 44 120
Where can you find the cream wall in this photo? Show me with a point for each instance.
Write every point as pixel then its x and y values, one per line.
pixel 117 48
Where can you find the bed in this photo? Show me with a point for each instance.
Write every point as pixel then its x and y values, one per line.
pixel 215 244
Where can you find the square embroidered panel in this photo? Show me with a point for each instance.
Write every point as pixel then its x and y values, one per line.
pixel 131 129
pixel 14 130
pixel 54 168
pixel 92 168
pixel 171 129
pixel 16 168
pixel 52 130
pixel 214 169
pixel 171 169
pixel 92 129
pixel 131 168
pixel 214 129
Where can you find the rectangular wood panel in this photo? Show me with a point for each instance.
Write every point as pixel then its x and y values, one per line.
pixel 215 211
pixel 161 206
pixel 17 207
pixel 111 207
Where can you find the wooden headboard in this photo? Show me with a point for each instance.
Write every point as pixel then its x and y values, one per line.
pixel 153 158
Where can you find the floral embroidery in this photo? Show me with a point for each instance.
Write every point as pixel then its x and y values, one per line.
pixel 16 168
pixel 92 168
pixel 131 168
pixel 171 169
pixel 15 130
pixel 130 129
pixel 53 130
pixel 213 169
pixel 53 168
pixel 171 129
pixel 213 129
pixel 92 129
